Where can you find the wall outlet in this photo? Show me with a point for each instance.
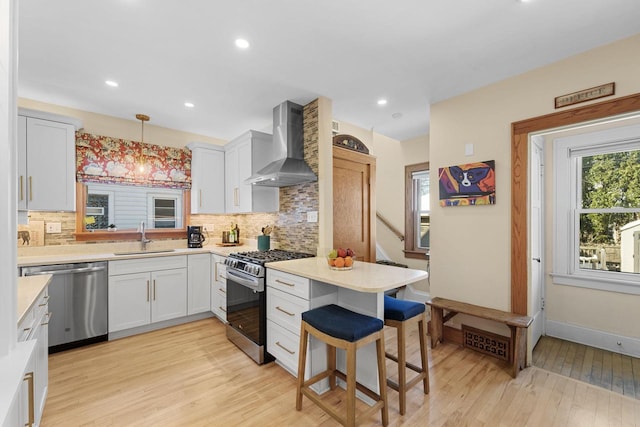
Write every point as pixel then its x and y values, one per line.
pixel 54 227
pixel 208 228
pixel 312 216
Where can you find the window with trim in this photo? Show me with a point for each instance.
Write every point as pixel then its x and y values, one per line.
pixel 597 210
pixel 417 210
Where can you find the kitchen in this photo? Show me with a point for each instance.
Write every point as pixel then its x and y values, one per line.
pixel 321 203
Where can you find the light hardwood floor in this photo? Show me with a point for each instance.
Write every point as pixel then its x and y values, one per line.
pixel 606 369
pixel 190 375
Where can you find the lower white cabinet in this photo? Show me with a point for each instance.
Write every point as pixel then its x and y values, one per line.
pixel 33 393
pixel 199 283
pixel 219 288
pixel 145 291
pixel 287 298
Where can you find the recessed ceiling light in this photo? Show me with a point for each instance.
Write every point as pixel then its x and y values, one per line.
pixel 111 83
pixel 382 101
pixel 189 104
pixel 242 43
pixel 396 115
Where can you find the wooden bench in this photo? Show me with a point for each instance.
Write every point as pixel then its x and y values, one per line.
pixel 516 322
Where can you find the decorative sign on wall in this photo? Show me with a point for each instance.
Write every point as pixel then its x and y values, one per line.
pixel 468 184
pixel 585 95
pixel 350 143
pixel 114 160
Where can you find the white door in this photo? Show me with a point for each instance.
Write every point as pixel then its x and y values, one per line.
pixel 129 301
pixel 536 238
pixel 199 283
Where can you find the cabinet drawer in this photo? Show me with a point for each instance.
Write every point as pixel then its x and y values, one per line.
pixel 284 346
pixel 141 265
pixel 285 309
pixel 289 283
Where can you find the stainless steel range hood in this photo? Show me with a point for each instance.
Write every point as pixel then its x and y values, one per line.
pixel 288 145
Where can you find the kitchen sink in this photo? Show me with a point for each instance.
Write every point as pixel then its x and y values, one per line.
pixel 161 251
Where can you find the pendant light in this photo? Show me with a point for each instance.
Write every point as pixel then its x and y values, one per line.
pixel 143 118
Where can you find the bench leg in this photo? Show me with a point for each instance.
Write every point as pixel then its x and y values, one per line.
pixel 518 349
pixel 436 326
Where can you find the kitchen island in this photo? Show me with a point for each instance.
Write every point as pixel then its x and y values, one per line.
pixel 315 284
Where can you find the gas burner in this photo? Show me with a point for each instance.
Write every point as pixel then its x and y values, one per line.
pixel 262 257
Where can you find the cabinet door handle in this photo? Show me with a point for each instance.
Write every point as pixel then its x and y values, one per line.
pixel 32 410
pixel 223 290
pixel 49 314
pixel 285 283
pixel 154 289
pixel 222 309
pixel 223 276
pixel 284 311
pixel 284 348
pixel 200 198
pixel 45 301
pixel 147 291
pixel 236 199
pixel 30 188
pixel 21 187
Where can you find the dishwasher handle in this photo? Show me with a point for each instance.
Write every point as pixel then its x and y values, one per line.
pixel 67 271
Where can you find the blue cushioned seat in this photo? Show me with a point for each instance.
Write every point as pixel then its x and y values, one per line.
pixel 342 323
pixel 401 310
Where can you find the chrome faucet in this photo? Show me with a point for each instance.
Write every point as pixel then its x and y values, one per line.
pixel 143 237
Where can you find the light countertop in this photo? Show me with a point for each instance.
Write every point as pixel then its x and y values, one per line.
pixel 81 255
pixel 364 277
pixel 28 290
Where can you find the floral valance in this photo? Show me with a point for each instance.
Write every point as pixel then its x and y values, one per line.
pixel 113 160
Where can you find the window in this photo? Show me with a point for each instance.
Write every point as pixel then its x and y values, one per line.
pixel 417 210
pixel 597 210
pixel 164 211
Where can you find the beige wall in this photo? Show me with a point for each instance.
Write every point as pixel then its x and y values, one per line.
pixel 470 246
pixel 391 158
pixel 100 124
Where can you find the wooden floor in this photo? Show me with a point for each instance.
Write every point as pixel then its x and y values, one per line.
pixel 190 375
pixel 602 368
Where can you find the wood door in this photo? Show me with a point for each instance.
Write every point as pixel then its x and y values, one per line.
pixel 354 205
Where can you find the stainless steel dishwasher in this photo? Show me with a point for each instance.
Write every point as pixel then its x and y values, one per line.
pixel 78 300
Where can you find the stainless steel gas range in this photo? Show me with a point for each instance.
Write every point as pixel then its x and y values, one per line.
pixel 247 299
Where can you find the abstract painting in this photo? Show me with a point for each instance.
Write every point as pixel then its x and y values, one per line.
pixel 467 185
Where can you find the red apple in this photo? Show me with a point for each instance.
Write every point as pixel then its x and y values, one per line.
pixel 342 253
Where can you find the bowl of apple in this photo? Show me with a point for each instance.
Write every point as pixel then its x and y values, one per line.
pixel 341 259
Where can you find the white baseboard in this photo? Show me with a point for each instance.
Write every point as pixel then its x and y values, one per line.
pixel 594 338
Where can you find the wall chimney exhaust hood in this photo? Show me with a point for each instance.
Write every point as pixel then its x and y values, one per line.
pixel 288 146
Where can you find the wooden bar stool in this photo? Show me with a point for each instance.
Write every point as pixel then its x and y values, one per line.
pixel 399 314
pixel 344 329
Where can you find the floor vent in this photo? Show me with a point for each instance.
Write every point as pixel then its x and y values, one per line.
pixel 486 342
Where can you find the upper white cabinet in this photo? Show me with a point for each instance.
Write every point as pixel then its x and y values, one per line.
pixel 245 156
pixel 207 177
pixel 46 165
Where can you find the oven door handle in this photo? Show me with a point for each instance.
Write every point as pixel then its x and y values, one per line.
pixel 240 279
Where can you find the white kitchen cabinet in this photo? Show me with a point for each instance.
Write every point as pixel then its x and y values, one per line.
pixel 145 291
pixel 219 288
pixel 46 165
pixel 288 296
pixel 199 283
pixel 33 327
pixel 244 156
pixel 207 178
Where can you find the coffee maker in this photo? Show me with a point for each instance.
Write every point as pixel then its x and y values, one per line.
pixel 195 238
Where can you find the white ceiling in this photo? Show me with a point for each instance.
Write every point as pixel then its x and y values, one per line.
pixel 411 52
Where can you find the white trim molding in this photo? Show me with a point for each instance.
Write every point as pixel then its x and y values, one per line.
pixel 617 343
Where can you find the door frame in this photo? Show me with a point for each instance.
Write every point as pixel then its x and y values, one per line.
pixel 519 180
